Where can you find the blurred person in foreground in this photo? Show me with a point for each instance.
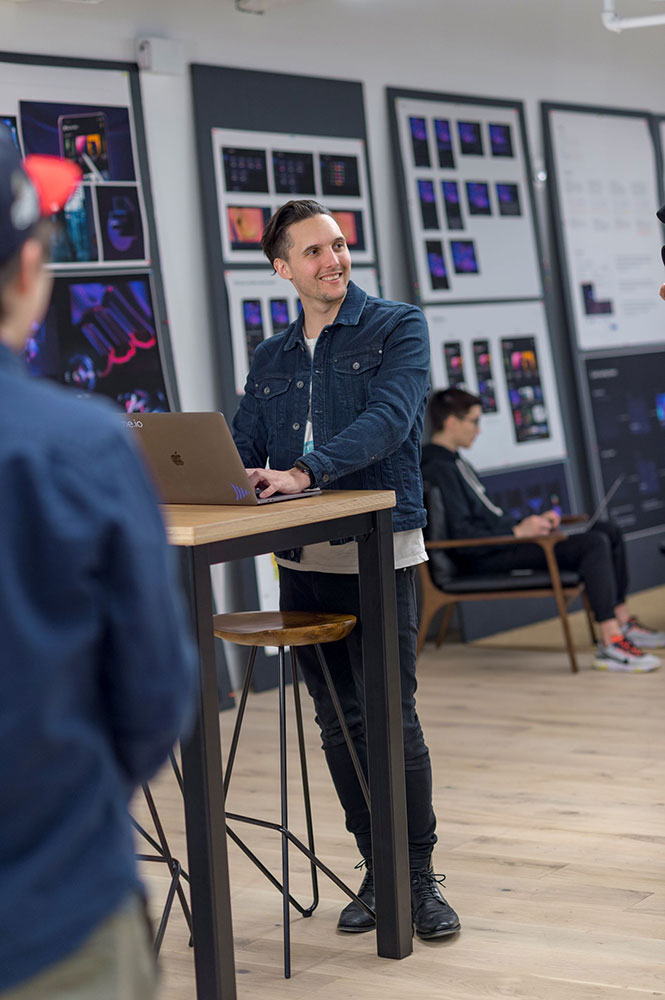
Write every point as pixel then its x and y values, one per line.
pixel 97 669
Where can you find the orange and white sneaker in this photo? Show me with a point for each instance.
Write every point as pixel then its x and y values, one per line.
pixel 622 655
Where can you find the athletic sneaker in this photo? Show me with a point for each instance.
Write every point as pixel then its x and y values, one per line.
pixel 642 636
pixel 622 655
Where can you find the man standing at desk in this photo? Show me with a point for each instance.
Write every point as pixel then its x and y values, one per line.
pixel 337 401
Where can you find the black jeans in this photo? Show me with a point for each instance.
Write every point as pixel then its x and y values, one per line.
pixel 339 592
pixel 599 556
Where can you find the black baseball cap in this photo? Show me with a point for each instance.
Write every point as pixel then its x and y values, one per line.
pixel 30 189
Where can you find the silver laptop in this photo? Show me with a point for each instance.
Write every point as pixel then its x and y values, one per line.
pixel 193 459
pixel 579 529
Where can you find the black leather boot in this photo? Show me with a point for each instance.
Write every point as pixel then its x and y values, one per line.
pixel 353 918
pixel 432 915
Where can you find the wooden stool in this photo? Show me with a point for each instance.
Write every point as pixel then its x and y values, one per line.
pixel 288 628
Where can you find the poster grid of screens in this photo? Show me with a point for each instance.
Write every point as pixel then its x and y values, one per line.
pixel 262 304
pixel 522 492
pixel 468 199
pixel 501 353
pixel 626 394
pixel 604 169
pixel 100 334
pixel 256 172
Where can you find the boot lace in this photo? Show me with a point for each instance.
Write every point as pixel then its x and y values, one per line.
pixel 425 882
pixel 368 880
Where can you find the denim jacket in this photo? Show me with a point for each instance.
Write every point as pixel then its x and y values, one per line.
pixel 369 378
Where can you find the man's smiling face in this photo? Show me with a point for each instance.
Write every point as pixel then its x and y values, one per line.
pixel 318 262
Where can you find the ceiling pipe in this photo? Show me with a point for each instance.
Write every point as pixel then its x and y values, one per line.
pixel 613 22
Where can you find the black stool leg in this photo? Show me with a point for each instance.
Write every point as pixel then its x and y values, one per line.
pixel 172 862
pixel 240 716
pixel 342 722
pixel 161 846
pixel 284 814
pixel 305 782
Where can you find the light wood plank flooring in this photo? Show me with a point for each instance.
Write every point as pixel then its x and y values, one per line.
pixel 550 795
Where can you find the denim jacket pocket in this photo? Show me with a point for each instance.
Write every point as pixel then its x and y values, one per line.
pixel 271 396
pixel 353 373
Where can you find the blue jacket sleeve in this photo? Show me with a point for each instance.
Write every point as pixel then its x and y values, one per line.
pixel 149 662
pixel 396 396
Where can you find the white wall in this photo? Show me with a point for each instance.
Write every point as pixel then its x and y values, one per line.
pixel 526 49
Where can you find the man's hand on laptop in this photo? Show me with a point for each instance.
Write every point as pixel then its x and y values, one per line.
pixel 537 524
pixel 553 518
pixel 275 481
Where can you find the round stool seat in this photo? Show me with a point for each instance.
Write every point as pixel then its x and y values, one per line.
pixel 282 628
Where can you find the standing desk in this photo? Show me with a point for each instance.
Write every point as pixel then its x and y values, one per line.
pixel 211 535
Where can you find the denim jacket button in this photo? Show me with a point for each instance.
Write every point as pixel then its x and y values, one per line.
pixel 267 390
pixel 325 477
pixel 356 365
pixel 296 427
pixel 299 385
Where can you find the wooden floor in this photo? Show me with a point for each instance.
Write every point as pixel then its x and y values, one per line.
pixel 550 795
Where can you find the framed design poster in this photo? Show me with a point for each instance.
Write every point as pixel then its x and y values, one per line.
pixel 256 172
pixel 529 490
pixel 105 331
pixel 626 402
pixel 501 353
pixel 605 190
pixel 466 197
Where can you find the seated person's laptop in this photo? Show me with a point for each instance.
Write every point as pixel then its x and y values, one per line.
pixel 579 529
pixel 193 459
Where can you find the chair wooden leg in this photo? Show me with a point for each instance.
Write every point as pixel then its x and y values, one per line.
pixel 445 622
pixel 561 605
pixel 589 617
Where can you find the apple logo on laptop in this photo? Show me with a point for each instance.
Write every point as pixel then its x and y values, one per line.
pixel 176 459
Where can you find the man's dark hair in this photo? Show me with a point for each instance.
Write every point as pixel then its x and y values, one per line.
pixel 275 241
pixel 449 403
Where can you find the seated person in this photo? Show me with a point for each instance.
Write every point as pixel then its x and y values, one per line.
pixel 597 555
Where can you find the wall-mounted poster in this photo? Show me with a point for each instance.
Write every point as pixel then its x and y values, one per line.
pixel 256 172
pixel 501 353
pixel 262 304
pixel 100 337
pixel 103 333
pixel 626 394
pixel 522 492
pixel 603 168
pixel 104 221
pixel 467 198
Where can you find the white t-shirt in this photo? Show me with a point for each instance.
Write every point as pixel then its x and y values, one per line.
pixel 323 557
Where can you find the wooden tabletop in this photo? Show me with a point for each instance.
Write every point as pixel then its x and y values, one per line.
pixel 197 524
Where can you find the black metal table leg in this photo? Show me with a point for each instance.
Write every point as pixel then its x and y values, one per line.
pixel 384 739
pixel 204 804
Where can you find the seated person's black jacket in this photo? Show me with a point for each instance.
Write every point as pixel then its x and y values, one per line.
pixel 469 512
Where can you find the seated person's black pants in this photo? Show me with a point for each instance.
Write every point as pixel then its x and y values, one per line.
pixel 339 592
pixel 599 556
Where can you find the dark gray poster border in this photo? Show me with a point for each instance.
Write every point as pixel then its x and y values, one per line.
pixel 393 95
pixel 593 470
pixel 154 267
pixel 254 100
